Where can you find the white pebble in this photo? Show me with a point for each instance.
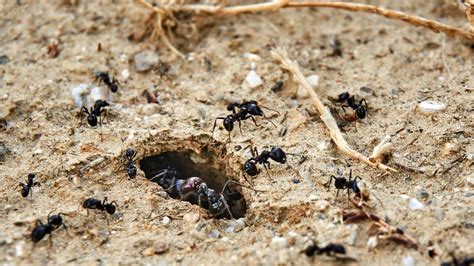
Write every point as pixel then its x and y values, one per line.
pixel 372 242
pixel 166 220
pixel 240 221
pixel 79 94
pixel 279 242
pixel 253 79
pixel 252 57
pixel 470 180
pixel 408 261
pixel 125 73
pixel 429 107
pixel 230 229
pixel 415 204
pixel 19 249
pixel 313 80
pixel 214 233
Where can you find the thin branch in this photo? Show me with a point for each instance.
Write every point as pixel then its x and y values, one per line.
pixel 325 113
pixel 353 7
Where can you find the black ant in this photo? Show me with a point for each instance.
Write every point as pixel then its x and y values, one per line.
pixel 92 203
pixel 131 168
pixel 41 230
pixel 330 250
pixel 95 112
pixel 240 112
pixel 341 182
pixel 26 188
pixel 360 109
pixel 95 204
pixel 250 166
pixel 112 83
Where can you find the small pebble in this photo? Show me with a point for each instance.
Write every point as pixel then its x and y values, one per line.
pixel 125 73
pixel 429 107
pixel 295 181
pixel 253 79
pixel 4 60
pixel 214 233
pixel 279 242
pixel 449 149
pixel 237 147
pixel 421 193
pixel 372 242
pixel 145 60
pixel 99 93
pixel 322 205
pixel 470 180
pixel 191 217
pixel 415 204
pixel 252 57
pixel 313 80
pixel 166 220
pixel 408 261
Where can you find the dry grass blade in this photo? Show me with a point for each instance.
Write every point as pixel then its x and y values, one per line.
pixel 325 113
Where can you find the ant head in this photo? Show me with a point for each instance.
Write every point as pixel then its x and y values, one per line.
pixel 231 106
pixel 229 123
pixel 250 167
pixel 114 87
pixel 55 219
pixel 130 153
pixel 278 155
pixel 110 208
pixel 202 189
pixel 343 96
pixel 361 112
pixel 31 176
pixel 92 120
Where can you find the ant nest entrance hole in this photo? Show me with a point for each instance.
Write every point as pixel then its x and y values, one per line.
pixel 198 157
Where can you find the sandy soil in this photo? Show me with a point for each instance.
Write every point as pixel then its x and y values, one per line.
pixel 400 64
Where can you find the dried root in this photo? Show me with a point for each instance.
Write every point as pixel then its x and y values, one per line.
pixel 167 9
pixel 336 135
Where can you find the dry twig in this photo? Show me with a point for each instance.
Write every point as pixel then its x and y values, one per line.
pixel 168 10
pixel 325 113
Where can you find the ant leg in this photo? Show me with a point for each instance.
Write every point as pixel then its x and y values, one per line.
pixel 50 240
pixel 363 101
pixel 357 177
pixel 328 184
pixel 227 207
pixel 215 122
pixel 337 193
pixel 83 110
pixel 266 169
pixel 108 223
pixel 246 179
pixel 254 151
pixel 253 119
pixel 268 119
pixel 240 128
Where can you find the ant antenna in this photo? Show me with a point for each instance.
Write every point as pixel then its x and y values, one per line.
pixel 270 109
pixel 239 184
pixel 160 173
